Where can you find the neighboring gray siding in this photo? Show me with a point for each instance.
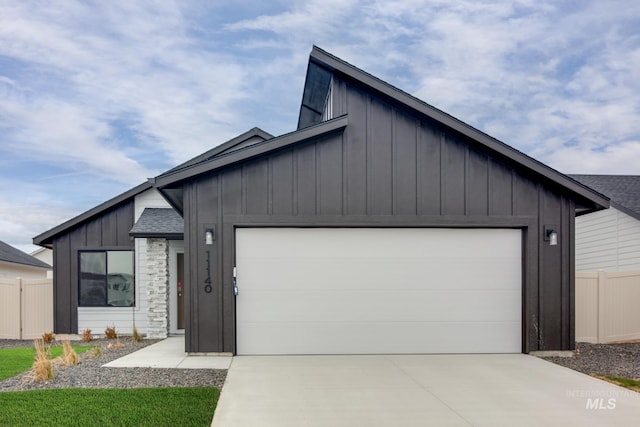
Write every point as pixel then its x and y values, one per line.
pixel 108 231
pixel 389 168
pixel 607 240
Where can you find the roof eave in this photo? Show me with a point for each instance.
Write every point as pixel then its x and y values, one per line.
pixel 168 236
pixel 24 264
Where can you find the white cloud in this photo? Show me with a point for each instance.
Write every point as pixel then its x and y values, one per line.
pixel 136 61
pixel 620 158
pixel 533 75
pixel 54 131
pixel 313 18
pixel 33 212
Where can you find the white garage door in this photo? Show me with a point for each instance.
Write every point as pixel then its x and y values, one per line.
pixel 378 291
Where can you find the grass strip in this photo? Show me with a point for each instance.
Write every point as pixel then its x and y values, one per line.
pixel 93 407
pixel 14 361
pixel 623 382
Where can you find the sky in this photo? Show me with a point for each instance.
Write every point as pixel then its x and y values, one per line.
pixel 96 97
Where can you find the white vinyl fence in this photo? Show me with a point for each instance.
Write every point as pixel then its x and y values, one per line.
pixel 607 306
pixel 26 308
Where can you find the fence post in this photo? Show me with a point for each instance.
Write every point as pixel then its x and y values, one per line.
pixel 602 296
pixel 20 305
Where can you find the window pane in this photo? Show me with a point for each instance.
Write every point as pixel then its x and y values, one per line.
pixel 120 279
pixel 93 269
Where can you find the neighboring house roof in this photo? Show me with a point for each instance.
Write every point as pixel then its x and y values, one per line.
pixel 15 256
pixel 159 222
pixel 624 190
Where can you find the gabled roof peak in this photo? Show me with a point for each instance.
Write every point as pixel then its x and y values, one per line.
pixel 314 95
pixel 250 137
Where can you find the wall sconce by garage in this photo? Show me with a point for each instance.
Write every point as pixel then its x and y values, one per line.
pixel 551 234
pixel 209 236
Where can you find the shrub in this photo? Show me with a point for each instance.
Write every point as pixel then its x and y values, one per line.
pixel 116 344
pixel 136 336
pixel 48 337
pixel 42 369
pixel 86 335
pixel 69 355
pixel 96 351
pixel 111 333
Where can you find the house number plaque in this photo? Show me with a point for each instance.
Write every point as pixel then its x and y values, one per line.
pixel 207 282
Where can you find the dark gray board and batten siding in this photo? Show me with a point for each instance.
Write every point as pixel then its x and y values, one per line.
pixel 390 167
pixel 109 231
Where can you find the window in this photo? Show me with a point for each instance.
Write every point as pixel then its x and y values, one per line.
pixel 106 279
pixel 327 114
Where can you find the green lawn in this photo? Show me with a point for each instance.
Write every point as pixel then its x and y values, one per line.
pixel 14 361
pixel 122 407
pixel 623 382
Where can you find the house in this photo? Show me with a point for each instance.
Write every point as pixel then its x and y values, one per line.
pixel 45 255
pixel 380 225
pixel 121 263
pixel 609 240
pixel 15 263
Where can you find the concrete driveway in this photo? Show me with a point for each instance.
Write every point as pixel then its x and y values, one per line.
pixel 417 390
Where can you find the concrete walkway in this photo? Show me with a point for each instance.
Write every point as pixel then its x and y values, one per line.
pixel 169 353
pixel 417 390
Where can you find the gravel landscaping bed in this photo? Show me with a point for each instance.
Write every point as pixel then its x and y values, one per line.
pixel 89 373
pixel 618 360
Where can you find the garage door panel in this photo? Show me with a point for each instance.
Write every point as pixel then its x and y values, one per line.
pixel 331 273
pixel 353 306
pixel 382 243
pixel 380 338
pixel 357 291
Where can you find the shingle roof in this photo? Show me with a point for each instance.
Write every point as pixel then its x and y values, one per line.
pixel 623 190
pixel 10 254
pixel 159 222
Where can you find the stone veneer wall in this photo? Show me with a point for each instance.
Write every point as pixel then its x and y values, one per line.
pixel 157 288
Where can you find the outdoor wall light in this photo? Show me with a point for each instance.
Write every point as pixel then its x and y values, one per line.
pixel 209 236
pixel 551 235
